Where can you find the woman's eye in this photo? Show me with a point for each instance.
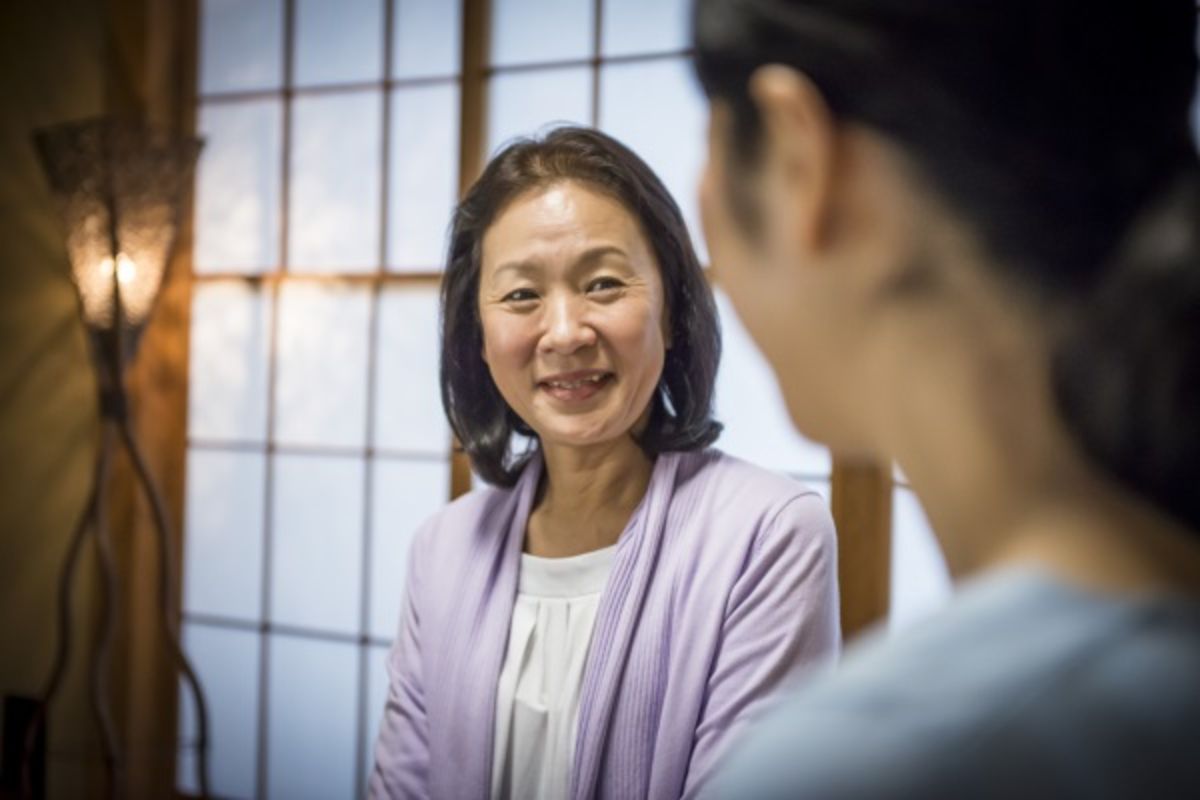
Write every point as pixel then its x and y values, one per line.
pixel 520 296
pixel 604 285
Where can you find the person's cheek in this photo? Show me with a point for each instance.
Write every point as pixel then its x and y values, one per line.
pixel 708 219
pixel 502 352
pixel 713 238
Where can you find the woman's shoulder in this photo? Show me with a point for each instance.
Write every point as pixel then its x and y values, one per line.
pixel 454 529
pixel 718 493
pixel 729 480
pixel 1016 666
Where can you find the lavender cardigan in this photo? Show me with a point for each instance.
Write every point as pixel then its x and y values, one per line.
pixel 725 579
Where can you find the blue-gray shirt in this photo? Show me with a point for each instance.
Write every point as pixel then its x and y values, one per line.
pixel 1022 687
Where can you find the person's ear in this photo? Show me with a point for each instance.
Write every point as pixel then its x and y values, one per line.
pixel 798 151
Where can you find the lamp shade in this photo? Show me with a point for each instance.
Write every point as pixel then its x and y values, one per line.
pixel 120 186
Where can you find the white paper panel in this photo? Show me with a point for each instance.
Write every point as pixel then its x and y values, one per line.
pixel 241 45
pixel 657 109
pixel 321 378
pixel 334 203
pixel 405 494
pixel 424 175
pixel 227 663
pixel 526 103
pixel 920 579
pixel 338 42
pixel 377 691
pixel 316 546
pixel 428 38
pixel 749 403
pixel 238 186
pixel 312 719
pixel 227 373
pixel 408 406
pixel 632 27
pixel 532 31
pixel 223 538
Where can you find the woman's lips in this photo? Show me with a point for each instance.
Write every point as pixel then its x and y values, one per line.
pixel 576 387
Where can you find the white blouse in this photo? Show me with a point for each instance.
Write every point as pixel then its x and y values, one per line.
pixel 537 702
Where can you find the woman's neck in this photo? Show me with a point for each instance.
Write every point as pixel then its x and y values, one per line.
pixel 1106 539
pixel 1002 481
pixel 1008 505
pixel 586 497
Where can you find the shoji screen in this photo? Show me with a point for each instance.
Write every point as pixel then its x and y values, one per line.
pixel 316 438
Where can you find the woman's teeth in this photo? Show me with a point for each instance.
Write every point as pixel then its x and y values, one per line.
pixel 592 381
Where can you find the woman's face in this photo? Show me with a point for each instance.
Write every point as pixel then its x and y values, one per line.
pixel 786 307
pixel 574 324
pixel 802 242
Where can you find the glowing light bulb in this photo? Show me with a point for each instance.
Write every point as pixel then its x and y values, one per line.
pixel 126 269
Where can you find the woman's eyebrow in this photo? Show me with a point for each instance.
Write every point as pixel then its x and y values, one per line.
pixel 530 268
pixel 522 268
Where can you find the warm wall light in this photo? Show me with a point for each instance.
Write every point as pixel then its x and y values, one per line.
pixel 120 186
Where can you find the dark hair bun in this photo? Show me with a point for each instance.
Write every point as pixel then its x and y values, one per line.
pixel 1127 373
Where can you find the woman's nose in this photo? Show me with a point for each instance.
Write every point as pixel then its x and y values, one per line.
pixel 567 329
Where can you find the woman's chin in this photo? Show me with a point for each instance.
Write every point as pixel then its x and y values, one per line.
pixel 570 436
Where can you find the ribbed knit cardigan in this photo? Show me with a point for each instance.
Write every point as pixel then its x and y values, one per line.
pixel 724 583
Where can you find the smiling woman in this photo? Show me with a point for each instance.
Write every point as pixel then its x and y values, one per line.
pixel 571 305
pixel 516 227
pixel 604 618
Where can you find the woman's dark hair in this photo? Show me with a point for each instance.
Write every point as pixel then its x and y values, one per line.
pixel 681 409
pixel 1059 131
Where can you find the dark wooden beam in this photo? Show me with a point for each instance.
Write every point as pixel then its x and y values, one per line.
pixel 862 511
pixel 153 75
pixel 476 19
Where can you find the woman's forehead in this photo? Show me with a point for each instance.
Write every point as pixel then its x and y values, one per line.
pixel 565 221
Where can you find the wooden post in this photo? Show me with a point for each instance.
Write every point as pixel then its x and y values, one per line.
pixel 862 511
pixel 153 72
pixel 476 20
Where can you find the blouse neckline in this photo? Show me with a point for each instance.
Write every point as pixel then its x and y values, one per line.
pixel 563 578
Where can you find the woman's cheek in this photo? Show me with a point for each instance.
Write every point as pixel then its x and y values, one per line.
pixel 507 343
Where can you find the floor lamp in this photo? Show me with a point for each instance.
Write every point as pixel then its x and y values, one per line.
pixel 120 186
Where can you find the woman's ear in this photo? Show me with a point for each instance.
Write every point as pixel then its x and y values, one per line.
pixel 798 151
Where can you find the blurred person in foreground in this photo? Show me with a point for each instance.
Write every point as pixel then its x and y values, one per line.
pixel 604 617
pixel 965 236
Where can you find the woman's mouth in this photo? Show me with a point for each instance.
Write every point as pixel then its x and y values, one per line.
pixel 576 387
